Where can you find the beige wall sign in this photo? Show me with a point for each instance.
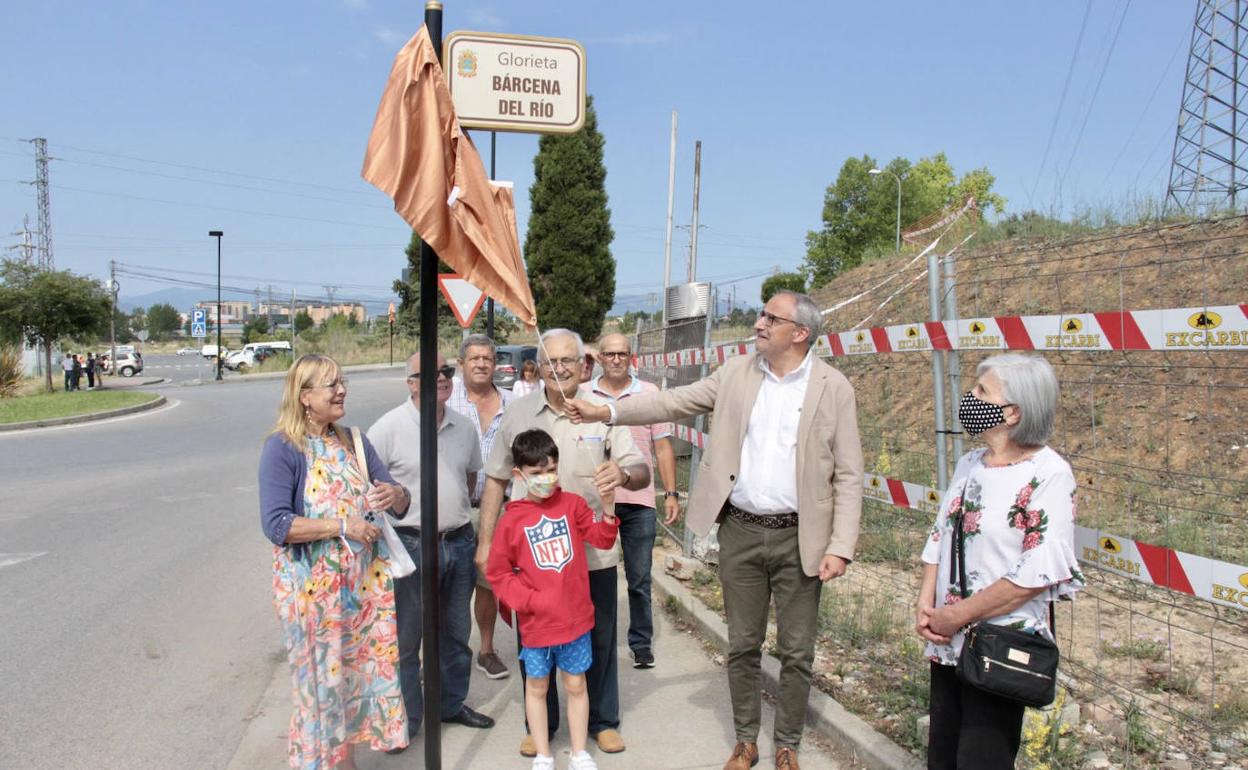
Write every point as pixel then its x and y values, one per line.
pixel 516 82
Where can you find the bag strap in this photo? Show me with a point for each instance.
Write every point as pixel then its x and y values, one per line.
pixel 361 460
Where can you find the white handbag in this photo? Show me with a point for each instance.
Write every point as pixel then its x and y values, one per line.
pixel 400 561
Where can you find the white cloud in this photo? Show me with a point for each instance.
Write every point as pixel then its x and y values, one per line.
pixel 390 36
pixel 484 19
pixel 656 37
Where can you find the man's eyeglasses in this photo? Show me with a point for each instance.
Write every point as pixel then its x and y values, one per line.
pixel 447 371
pixel 771 319
pixel 331 385
pixel 614 354
pixel 561 363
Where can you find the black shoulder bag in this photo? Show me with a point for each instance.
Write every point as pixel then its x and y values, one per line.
pixel 1007 662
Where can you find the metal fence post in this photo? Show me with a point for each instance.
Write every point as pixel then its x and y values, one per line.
pixel 699 423
pixel 938 372
pixel 953 357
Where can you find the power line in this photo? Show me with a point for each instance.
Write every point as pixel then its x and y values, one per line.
pixel 1060 103
pixel 1096 91
pixel 1144 113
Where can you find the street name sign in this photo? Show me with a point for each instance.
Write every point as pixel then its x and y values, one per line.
pixel 516 82
pixel 464 298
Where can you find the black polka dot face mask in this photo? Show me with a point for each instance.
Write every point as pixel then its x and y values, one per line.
pixel 978 415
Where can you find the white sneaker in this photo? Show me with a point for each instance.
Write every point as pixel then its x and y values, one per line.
pixel 582 761
pixel 543 763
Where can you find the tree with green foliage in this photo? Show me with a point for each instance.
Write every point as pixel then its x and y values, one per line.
pixel 303 322
pixel 860 209
pixel 783 282
pixel 45 306
pixel 568 245
pixel 407 313
pixel 253 330
pixel 162 321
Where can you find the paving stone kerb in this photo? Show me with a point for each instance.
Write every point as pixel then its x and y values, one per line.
pixel 88 417
pixel 824 714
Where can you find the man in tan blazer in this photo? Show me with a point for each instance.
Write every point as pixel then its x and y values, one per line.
pixel 783 477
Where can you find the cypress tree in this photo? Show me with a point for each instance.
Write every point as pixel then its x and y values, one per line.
pixel 567 247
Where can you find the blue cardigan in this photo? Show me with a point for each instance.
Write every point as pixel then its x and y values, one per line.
pixel 283 475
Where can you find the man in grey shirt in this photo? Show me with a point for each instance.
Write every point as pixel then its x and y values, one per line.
pixel 396 437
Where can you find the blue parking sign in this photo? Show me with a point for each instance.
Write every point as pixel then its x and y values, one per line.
pixel 199 316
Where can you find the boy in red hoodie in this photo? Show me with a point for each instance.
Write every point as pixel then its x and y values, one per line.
pixel 537 567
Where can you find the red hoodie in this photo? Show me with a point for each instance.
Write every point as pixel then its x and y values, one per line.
pixel 537 565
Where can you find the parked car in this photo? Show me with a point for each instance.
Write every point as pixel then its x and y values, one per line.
pixel 188 351
pixel 210 351
pixel 508 359
pixel 240 359
pixel 127 364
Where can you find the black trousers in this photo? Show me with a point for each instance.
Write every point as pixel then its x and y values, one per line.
pixel 970 729
pixel 602 680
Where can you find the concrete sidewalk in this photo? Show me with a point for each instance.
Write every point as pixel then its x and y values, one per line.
pixel 674 716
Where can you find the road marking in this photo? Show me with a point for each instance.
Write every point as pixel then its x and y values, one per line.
pixel 9 559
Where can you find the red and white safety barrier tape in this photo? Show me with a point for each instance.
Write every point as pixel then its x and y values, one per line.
pixel 1209 579
pixel 1215 328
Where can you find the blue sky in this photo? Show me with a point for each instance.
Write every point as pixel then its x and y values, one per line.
pixel 169 119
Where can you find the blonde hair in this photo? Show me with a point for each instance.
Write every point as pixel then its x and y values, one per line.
pixel 306 372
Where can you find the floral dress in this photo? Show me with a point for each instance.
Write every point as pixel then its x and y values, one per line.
pixel 1017 524
pixel 336 606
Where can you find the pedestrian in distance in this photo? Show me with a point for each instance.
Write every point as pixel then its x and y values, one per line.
pixel 537 566
pixel 528 381
pixel 476 397
pixel 588 469
pixel 396 435
pixel 636 510
pixel 67 366
pixel 75 372
pixel 331 579
pixel 90 371
pixel 1015 501
pixel 782 474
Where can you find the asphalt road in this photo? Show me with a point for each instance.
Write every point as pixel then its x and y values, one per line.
pixel 181 368
pixel 136 627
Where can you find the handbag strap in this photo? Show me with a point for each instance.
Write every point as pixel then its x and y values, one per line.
pixel 957 556
pixel 361 460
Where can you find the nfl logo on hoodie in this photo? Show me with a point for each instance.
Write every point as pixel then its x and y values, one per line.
pixel 550 544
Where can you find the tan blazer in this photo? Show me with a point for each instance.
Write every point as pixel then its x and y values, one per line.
pixel 829 453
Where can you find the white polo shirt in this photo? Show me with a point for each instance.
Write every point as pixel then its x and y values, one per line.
pixel 396 437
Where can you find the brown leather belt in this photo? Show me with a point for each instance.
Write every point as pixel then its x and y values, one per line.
pixel 768 520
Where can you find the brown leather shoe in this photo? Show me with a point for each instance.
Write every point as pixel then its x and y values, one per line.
pixel 528 747
pixel 787 759
pixel 744 756
pixel 610 741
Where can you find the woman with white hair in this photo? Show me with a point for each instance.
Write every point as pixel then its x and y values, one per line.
pixel 1014 500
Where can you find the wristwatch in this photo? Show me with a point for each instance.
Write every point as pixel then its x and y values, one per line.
pixel 671 493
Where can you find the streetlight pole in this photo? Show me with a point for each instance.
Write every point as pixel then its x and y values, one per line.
pixel 874 171
pixel 217 234
pixel 113 288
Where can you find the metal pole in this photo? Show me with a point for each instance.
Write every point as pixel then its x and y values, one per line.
pixel 667 239
pixel 489 302
pixel 938 372
pixel 699 422
pixel 112 318
pixel 897 246
pixel 430 609
pixel 220 358
pixel 697 187
pixel 953 357
pixel 293 333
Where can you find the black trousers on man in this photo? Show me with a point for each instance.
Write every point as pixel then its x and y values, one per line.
pixel 970 729
pixel 602 680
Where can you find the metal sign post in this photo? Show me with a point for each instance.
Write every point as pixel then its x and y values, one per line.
pixel 430 577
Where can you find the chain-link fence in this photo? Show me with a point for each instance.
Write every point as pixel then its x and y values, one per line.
pixel 1159 445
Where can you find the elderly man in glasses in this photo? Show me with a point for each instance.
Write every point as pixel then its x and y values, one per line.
pixel 782 475
pixel 396 437
pixel 593 459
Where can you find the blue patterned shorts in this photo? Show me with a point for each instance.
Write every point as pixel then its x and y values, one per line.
pixel 571 657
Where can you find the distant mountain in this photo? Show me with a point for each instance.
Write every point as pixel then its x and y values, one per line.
pixel 185 299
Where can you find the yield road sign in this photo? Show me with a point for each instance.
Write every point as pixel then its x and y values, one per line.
pixel 464 298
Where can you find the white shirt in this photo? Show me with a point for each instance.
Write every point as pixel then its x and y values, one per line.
pixel 767 481
pixel 396 437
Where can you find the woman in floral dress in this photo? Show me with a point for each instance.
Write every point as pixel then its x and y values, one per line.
pixel 1016 501
pixel 331 583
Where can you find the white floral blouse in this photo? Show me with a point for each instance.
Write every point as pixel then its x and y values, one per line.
pixel 1018 524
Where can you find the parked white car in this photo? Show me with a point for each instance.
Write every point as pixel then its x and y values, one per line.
pixel 188 351
pixel 210 351
pixel 127 364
